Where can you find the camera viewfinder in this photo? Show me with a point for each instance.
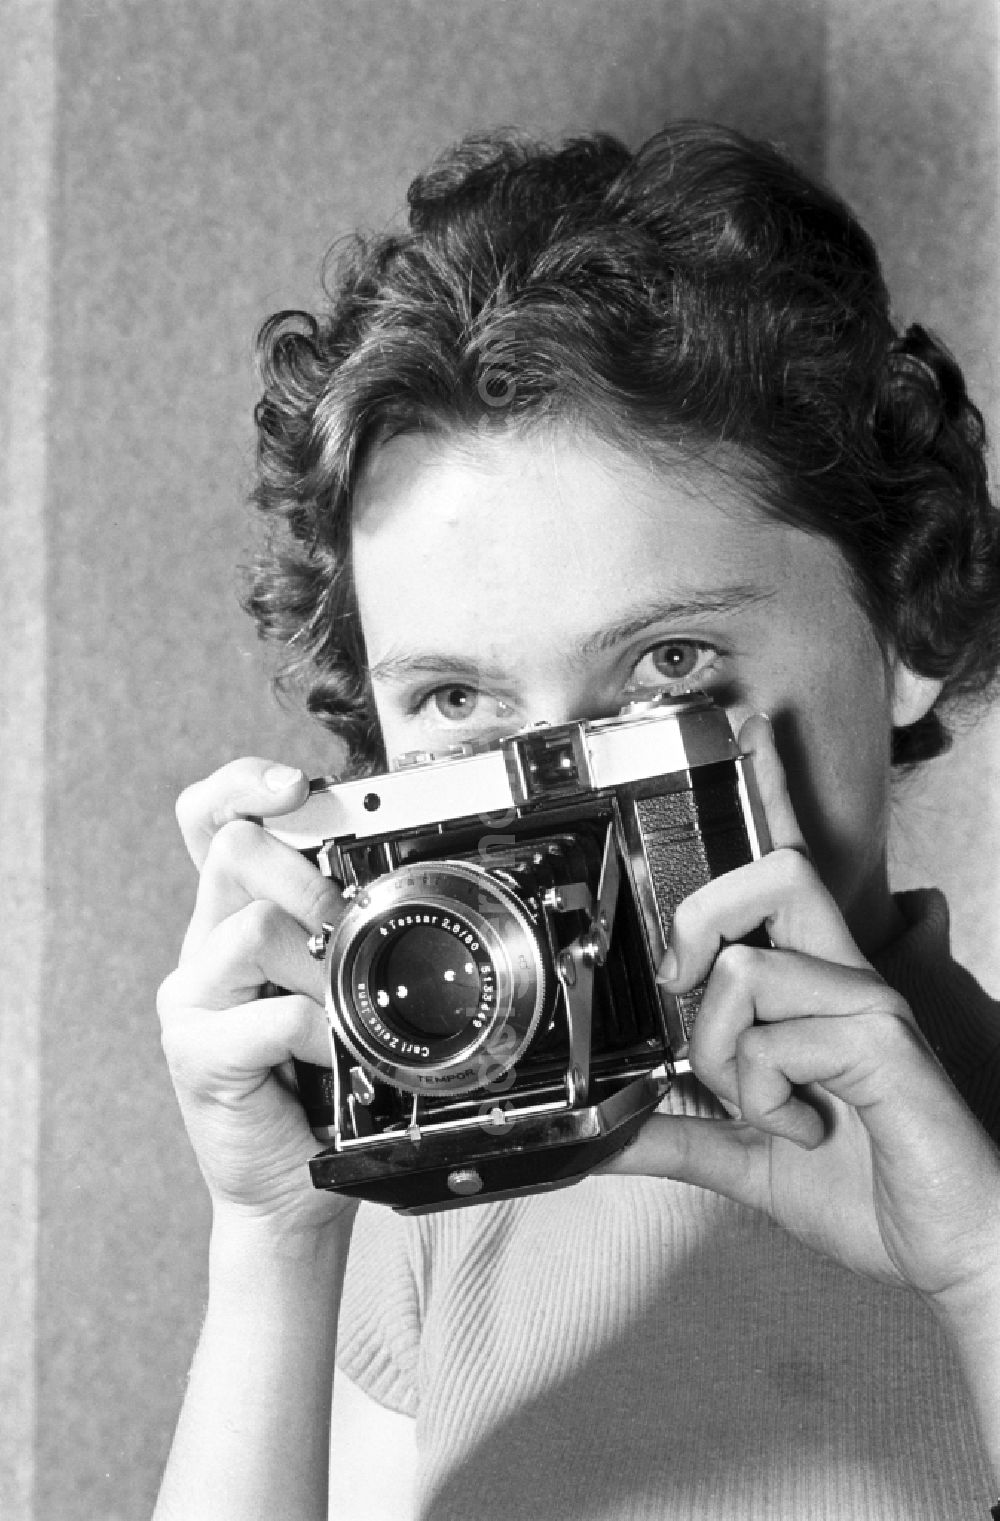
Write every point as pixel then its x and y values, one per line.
pixel 549 763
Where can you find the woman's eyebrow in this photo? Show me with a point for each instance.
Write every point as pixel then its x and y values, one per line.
pixel 723 599
pixel 402 665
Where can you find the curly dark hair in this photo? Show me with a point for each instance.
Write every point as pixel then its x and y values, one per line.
pixel 701 291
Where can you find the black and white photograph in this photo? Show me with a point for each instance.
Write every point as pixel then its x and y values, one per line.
pixel 500 729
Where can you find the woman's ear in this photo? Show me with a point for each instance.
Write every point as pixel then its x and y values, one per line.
pixel 912 696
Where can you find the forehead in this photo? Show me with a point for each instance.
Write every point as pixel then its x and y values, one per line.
pixel 514 536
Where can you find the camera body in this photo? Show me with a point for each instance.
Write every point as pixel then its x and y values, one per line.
pixel 497 1026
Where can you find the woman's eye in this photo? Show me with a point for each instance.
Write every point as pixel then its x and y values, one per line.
pixel 675 660
pixel 455 702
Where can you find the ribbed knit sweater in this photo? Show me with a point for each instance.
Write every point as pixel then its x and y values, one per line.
pixel 635 1348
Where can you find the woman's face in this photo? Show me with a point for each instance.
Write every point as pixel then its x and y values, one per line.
pixel 510 578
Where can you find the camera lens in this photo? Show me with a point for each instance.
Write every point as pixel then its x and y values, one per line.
pixel 438 974
pixel 425 982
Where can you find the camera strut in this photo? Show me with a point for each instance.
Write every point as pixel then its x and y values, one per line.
pixel 576 962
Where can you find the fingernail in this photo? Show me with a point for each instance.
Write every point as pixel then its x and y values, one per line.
pixel 668 966
pixel 280 778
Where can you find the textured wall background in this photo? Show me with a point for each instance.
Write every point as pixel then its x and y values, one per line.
pixel 172 173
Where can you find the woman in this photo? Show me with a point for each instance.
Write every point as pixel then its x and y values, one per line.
pixel 599 425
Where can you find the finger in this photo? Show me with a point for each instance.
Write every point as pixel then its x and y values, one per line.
pixel 749 986
pixel 259 944
pixel 245 788
pixel 877 1063
pixel 926 1143
pixel 245 863
pixel 242 1045
pixel 782 892
pixel 756 739
pixel 725 1156
pixel 776 1028
pixel 766 1097
pixel 877 1060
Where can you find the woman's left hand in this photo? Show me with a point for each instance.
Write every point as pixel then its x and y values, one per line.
pixel 846 1129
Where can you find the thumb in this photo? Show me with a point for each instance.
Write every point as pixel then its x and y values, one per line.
pixel 726 1156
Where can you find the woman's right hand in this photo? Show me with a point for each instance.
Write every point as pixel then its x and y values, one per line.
pixel 258 901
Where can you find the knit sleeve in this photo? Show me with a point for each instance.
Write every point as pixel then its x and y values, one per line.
pixel 381 1314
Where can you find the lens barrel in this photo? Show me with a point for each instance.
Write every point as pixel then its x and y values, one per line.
pixel 437 975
